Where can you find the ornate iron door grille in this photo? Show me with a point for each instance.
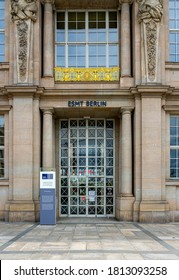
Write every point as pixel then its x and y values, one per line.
pixel 87 167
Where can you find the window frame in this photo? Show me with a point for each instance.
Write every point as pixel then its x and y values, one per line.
pixel 2 33
pixel 86 43
pixel 174 32
pixel 2 148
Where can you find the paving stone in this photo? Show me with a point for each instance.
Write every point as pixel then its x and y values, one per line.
pixel 89 240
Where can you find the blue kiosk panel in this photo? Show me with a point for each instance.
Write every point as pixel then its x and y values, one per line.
pixel 47 198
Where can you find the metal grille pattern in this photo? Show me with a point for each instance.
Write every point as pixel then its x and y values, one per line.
pixel 87 167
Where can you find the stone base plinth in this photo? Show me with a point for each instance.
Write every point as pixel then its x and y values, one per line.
pixel 124 208
pixel 136 209
pixel 20 211
pixel 47 82
pixel 154 212
pixel 126 82
pixel 37 210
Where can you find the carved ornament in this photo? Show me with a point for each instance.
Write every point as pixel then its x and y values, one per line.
pixel 24 13
pixel 150 10
pixel 22 33
pixel 150 13
pixel 24 10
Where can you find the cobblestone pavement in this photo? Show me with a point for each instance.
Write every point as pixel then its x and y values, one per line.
pixel 89 239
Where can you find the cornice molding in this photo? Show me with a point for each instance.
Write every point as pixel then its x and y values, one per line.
pixel 152 90
pixel 5 108
pixel 24 91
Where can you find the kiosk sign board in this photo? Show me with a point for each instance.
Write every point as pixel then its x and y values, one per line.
pixel 47 198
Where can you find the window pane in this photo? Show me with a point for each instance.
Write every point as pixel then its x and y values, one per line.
pixel 102 25
pixel 72 61
pixel 60 25
pixel 93 37
pixel 102 50
pixel 113 50
pixel 72 16
pixel 81 61
pixel 92 50
pixel 60 36
pixel 112 16
pixel 72 36
pixel 101 16
pixel 113 36
pixel 101 37
pixel 81 50
pixel 80 37
pixel 2 49
pixel 92 34
pixel 92 16
pixel 72 25
pixel 174 29
pixel 174 141
pixel 101 61
pixel 1 24
pixel 113 61
pixel 2 37
pixel 60 16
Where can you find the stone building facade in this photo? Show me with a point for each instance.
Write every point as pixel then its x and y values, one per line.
pixel 90 89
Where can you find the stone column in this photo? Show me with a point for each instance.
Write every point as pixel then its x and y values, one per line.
pixel 126 188
pixel 48 138
pixel 124 202
pixel 125 38
pixel 48 46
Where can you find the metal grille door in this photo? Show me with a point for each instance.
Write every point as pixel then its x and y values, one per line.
pixel 87 167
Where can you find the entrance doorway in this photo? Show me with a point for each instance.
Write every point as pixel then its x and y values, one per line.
pixel 87 168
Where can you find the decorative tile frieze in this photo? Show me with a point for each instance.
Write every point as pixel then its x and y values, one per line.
pixel 86 74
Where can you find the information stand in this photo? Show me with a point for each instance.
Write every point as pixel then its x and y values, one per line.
pixel 47 198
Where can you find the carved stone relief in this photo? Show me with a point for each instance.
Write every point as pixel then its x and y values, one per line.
pixel 24 13
pixel 150 14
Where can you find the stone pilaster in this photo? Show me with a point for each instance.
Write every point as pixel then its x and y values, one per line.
pixel 47 155
pixel 125 200
pixel 23 166
pixel 48 44
pixel 125 43
pixel 153 205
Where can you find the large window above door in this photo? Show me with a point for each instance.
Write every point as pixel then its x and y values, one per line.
pixel 87 46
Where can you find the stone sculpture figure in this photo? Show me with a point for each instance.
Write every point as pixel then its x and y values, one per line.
pixel 150 14
pixel 150 10
pixel 24 10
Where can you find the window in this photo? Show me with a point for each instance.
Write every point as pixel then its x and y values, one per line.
pixel 87 39
pixel 2 36
pixel 1 146
pixel 174 30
